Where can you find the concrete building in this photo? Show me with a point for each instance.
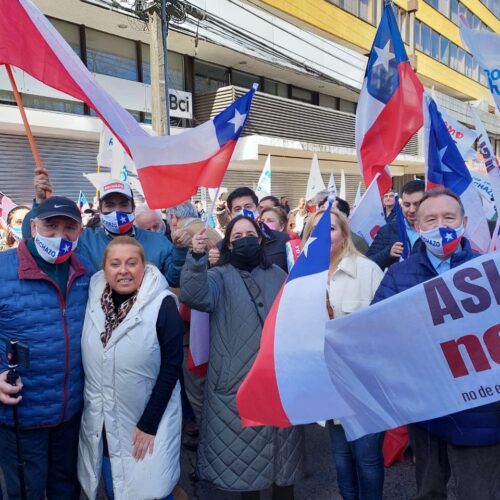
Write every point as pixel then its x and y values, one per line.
pixel 308 58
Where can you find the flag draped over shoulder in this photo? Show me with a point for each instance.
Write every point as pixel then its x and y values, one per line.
pixel 288 383
pixel 170 168
pixel 445 167
pixel 390 104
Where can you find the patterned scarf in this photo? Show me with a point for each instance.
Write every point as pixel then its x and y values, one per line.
pixel 113 318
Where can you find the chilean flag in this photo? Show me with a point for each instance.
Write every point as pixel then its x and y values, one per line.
pixel 390 104
pixel 65 248
pixel 289 383
pixel 445 167
pixel 169 168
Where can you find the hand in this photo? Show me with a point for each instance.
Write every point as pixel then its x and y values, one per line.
pixel 142 443
pixel 397 250
pixel 6 390
pixel 213 256
pixel 42 187
pixel 200 241
pixel 181 238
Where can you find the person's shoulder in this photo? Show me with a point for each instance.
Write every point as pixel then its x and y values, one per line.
pixel 365 264
pixel 146 237
pixel 281 236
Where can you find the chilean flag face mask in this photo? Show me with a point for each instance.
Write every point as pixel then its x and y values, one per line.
pixel 54 250
pixel 117 222
pixel 442 240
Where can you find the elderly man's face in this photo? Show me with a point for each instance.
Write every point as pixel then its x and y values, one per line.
pixel 149 220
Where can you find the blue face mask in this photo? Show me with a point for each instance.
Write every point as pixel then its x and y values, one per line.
pixel 16 232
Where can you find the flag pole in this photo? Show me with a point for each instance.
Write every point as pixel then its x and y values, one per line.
pixel 39 168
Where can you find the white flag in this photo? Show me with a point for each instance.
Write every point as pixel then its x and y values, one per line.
pixel 490 160
pixel 483 187
pixel 342 192
pixel 106 142
pixel 264 185
pixel 421 354
pixel 332 187
pixel 485 47
pixel 368 217
pixel 315 182
pixel 357 199
pixel 464 137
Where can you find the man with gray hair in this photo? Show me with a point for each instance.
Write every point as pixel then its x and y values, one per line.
pixel 148 219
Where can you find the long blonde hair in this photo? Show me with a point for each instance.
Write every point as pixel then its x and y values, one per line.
pixel 348 249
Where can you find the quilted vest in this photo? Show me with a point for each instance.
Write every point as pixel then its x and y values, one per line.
pixel 34 311
pixel 119 379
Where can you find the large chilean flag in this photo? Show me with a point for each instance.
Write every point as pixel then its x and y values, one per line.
pixel 389 110
pixel 289 383
pixel 170 168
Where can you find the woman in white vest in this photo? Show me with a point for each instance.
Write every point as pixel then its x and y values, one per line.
pixel 132 356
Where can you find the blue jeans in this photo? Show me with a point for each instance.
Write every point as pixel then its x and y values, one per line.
pixel 108 480
pixel 50 456
pixel 359 464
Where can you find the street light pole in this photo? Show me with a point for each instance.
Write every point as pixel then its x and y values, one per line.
pixel 164 36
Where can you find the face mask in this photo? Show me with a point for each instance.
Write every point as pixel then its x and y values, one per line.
pixel 246 253
pixel 117 222
pixel 272 225
pixel 248 213
pixel 442 240
pixel 16 232
pixel 54 250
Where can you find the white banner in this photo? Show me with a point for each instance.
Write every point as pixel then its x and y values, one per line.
pixel 483 186
pixel 485 48
pixel 464 137
pixel 264 186
pixel 429 351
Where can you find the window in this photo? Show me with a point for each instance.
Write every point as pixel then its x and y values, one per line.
pixel 209 77
pixel 302 95
pixel 70 32
pixel 453 56
pixel 425 35
pixel 444 50
pixel 418 43
pixel 61 105
pixel 468 65
pixel 241 79
pixel 111 55
pixel 444 7
pixel 434 45
pixel 460 60
pixel 454 11
pixel 329 101
pixel 275 88
pixel 347 106
pixel 175 68
pixel 360 8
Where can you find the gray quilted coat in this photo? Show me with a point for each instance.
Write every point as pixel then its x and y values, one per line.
pixel 231 457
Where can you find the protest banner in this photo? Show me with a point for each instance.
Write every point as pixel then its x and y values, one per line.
pixel 264 186
pixel 429 351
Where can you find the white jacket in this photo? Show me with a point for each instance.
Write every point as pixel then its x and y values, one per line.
pixel 353 285
pixel 119 379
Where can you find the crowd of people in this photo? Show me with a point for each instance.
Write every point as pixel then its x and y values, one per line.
pixel 102 303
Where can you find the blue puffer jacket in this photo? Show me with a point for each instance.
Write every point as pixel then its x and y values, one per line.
pixel 34 311
pixel 477 426
pixel 158 249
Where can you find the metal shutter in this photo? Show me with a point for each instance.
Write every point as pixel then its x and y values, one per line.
pixel 65 159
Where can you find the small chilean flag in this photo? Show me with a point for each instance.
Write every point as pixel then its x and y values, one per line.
pixel 170 168
pixel 289 383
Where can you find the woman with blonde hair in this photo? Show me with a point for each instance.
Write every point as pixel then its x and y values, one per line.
pixel 352 282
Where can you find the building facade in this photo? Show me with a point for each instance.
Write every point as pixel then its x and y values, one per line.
pixel 308 58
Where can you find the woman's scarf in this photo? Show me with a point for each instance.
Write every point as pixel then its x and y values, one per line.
pixel 113 317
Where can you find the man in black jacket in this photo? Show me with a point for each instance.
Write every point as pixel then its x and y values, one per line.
pixel 387 246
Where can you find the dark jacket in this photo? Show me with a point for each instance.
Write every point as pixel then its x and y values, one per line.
pixel 477 426
pixel 34 311
pixel 380 249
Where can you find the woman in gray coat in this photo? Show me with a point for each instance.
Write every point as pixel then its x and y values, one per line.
pixel 238 294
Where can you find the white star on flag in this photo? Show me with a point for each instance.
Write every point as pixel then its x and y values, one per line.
pixel 448 236
pixel 238 120
pixel 66 248
pixel 310 241
pixel 384 56
pixel 123 220
pixel 442 152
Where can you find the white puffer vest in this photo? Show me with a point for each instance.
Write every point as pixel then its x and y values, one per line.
pixel 119 380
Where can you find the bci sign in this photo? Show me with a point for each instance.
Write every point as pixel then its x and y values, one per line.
pixel 181 103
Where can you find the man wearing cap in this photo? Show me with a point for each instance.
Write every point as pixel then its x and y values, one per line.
pixel 42 305
pixel 116 206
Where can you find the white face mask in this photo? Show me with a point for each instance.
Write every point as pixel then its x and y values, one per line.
pixel 442 240
pixel 54 250
pixel 117 222
pixel 16 232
